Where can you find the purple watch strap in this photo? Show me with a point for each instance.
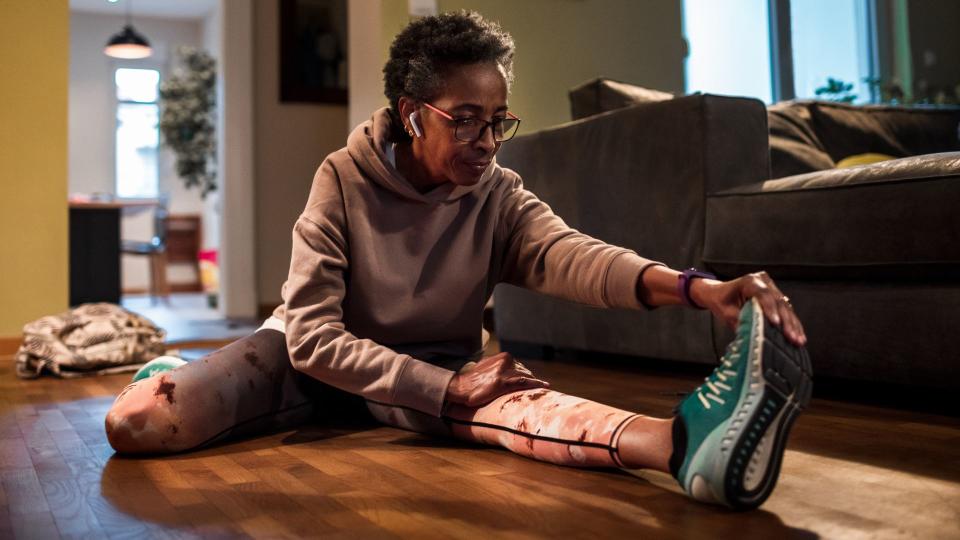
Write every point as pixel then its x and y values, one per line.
pixel 683 285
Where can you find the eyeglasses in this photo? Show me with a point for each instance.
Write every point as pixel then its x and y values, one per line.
pixel 470 129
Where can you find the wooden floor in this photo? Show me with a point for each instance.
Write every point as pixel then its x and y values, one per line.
pixel 852 471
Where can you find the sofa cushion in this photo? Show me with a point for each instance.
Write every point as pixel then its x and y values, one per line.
pixel 602 95
pixel 896 219
pixel 789 157
pixel 792 120
pixel 846 130
pixel 794 146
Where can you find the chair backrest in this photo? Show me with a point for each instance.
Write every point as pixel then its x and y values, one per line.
pixel 183 237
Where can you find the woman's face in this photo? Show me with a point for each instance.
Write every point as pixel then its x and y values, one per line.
pixel 474 90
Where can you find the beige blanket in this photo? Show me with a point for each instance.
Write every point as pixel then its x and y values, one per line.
pixel 91 339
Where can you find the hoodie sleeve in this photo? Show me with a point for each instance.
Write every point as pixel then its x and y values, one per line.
pixel 318 343
pixel 544 254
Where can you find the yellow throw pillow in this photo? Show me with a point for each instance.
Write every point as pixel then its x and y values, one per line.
pixel 862 159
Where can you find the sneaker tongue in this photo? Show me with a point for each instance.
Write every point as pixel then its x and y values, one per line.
pixel 679 446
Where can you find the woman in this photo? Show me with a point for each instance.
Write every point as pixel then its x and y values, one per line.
pixel 404 235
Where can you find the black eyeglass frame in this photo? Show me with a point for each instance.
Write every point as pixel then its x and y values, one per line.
pixel 458 122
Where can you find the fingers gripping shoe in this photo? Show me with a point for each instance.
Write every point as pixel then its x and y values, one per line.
pixel 731 431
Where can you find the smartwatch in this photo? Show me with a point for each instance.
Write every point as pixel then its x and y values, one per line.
pixel 684 281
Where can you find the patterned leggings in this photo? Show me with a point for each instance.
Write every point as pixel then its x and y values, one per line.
pixel 249 387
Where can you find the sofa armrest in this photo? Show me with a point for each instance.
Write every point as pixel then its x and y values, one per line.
pixel 637 177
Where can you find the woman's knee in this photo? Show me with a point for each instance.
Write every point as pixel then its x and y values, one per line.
pixel 145 418
pixel 223 394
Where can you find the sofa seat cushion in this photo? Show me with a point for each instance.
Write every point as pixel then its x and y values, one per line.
pixel 897 219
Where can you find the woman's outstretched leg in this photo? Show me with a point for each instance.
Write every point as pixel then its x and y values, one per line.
pixel 725 445
pixel 567 430
pixel 246 387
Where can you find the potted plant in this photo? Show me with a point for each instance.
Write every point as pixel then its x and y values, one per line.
pixel 187 119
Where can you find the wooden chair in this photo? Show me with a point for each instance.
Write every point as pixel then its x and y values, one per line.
pixel 177 240
pixel 155 250
pixel 184 238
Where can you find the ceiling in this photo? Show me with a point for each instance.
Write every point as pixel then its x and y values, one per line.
pixel 168 9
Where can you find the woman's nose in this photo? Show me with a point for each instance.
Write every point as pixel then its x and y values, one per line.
pixel 487 141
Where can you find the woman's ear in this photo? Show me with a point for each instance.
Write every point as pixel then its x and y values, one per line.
pixel 407 108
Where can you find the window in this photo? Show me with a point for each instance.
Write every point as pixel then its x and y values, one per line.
pixel 779 49
pixel 729 51
pixel 830 39
pixel 138 132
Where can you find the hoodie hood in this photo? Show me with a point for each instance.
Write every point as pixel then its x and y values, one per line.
pixel 368 144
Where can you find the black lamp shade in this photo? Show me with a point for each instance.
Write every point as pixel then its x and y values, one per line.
pixel 128 43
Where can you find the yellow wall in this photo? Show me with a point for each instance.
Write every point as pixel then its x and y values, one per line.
pixel 562 43
pixel 34 49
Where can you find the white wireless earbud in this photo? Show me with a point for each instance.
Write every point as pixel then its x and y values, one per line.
pixel 413 124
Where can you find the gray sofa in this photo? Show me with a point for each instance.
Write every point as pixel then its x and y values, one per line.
pixel 869 255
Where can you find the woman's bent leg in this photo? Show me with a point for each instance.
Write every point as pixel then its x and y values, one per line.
pixel 567 430
pixel 244 388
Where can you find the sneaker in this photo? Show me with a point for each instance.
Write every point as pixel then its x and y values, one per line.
pixel 730 433
pixel 159 364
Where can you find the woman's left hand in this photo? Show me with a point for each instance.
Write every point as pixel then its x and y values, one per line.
pixel 725 298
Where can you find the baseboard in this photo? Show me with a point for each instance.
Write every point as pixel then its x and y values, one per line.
pixel 174 288
pixel 9 345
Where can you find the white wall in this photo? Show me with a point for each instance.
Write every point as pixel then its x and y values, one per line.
pixel 236 149
pixel 212 215
pixel 92 121
pixel 290 140
pixel 364 21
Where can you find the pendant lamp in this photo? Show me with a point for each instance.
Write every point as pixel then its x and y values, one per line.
pixel 128 43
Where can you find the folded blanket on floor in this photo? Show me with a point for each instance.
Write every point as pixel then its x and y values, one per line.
pixel 91 339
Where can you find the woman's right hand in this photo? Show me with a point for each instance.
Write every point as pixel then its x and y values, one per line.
pixel 489 379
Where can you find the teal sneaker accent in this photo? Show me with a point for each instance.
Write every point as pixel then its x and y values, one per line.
pixel 158 365
pixel 730 432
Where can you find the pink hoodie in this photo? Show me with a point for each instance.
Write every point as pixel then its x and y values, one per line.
pixel 384 278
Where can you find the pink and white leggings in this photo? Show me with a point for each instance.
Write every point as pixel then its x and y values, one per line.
pixel 249 387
